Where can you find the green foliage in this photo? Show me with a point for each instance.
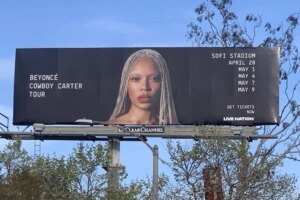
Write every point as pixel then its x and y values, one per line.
pixel 12 158
pixel 22 184
pixel 239 172
pixel 80 176
pixel 17 181
pixel 55 176
pixel 85 166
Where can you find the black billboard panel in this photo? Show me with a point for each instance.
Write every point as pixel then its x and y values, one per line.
pixel 219 86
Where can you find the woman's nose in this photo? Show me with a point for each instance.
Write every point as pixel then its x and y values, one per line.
pixel 145 85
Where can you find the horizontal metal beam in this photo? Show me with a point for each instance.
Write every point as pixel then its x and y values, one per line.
pixel 133 133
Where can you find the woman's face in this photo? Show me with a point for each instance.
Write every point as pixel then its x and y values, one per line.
pixel 144 85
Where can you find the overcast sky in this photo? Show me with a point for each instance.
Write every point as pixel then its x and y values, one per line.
pixel 99 23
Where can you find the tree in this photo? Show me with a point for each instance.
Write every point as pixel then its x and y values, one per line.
pixel 80 176
pixel 17 182
pixel 87 162
pixel 55 178
pixel 249 171
pixel 22 184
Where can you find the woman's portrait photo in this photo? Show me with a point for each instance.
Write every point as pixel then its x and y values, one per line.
pixel 145 94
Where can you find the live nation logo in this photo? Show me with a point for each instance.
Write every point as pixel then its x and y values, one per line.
pixel 141 129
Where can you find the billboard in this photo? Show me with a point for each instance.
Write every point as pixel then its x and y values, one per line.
pixel 218 86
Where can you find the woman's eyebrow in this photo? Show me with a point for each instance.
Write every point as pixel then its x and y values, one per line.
pixel 154 74
pixel 134 74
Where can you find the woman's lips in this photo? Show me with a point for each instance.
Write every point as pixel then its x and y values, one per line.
pixel 144 98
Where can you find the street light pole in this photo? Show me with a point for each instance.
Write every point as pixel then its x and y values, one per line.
pixel 155 173
pixel 154 151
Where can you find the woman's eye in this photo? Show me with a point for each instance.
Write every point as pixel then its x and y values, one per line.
pixel 155 79
pixel 134 79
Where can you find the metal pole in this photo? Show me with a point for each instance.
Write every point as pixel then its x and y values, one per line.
pixel 113 169
pixel 155 173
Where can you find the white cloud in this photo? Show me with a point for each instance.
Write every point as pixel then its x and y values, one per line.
pixel 7 69
pixel 112 26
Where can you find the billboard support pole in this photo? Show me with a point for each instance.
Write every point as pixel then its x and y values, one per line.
pixel 113 169
pixel 155 172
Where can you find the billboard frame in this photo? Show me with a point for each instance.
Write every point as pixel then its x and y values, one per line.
pixel 105 133
pixel 187 80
